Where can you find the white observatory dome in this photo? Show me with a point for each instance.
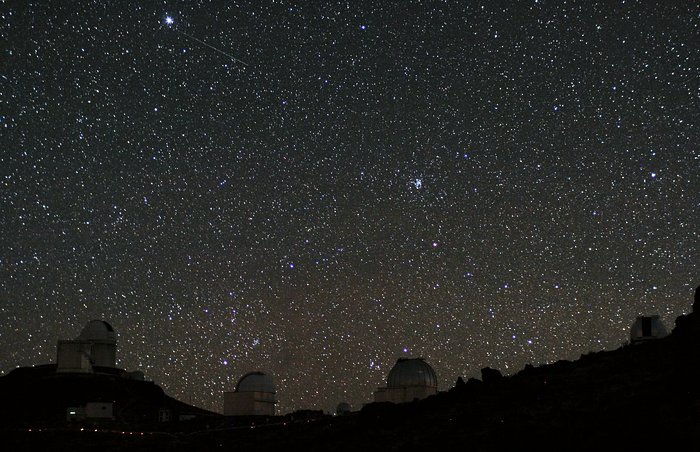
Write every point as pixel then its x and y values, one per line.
pixel 647 328
pixel 255 382
pixel 409 372
pixel 98 331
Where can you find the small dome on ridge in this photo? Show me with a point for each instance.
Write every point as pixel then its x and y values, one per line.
pixel 411 372
pixel 98 330
pixel 255 382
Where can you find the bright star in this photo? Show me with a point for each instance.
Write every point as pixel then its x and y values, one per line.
pixel 169 20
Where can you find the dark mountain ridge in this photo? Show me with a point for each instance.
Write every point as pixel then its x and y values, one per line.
pixel 637 397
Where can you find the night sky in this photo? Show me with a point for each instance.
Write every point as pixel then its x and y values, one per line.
pixel 315 189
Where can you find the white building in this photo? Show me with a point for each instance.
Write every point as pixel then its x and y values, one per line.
pixel 410 379
pixel 647 328
pixel 254 396
pixel 91 411
pixel 96 346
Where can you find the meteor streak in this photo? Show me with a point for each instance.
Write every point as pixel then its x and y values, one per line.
pixel 170 22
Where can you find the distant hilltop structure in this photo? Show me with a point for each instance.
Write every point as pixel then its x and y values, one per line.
pixel 410 379
pixel 96 346
pixel 254 395
pixel 342 409
pixel 85 388
pixel 646 328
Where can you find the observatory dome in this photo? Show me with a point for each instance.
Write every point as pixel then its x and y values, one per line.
pixel 98 331
pixel 646 328
pixel 343 408
pixel 409 372
pixel 255 382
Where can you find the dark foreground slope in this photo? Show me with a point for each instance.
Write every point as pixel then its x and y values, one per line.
pixel 634 398
pixel 637 397
pixel 38 398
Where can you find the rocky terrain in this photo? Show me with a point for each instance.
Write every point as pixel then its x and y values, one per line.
pixel 637 397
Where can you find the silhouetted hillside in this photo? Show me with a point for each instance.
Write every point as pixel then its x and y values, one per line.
pixel 39 398
pixel 637 397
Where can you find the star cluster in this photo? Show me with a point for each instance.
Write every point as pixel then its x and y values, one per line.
pixel 315 189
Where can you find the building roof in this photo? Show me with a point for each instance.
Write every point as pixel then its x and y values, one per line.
pixel 98 331
pixel 343 408
pixel 411 372
pixel 255 382
pixel 647 327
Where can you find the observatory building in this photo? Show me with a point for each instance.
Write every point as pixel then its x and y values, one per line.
pixel 647 328
pixel 254 396
pixel 95 347
pixel 410 379
pixel 342 409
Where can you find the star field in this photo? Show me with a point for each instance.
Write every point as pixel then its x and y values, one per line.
pixel 315 189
